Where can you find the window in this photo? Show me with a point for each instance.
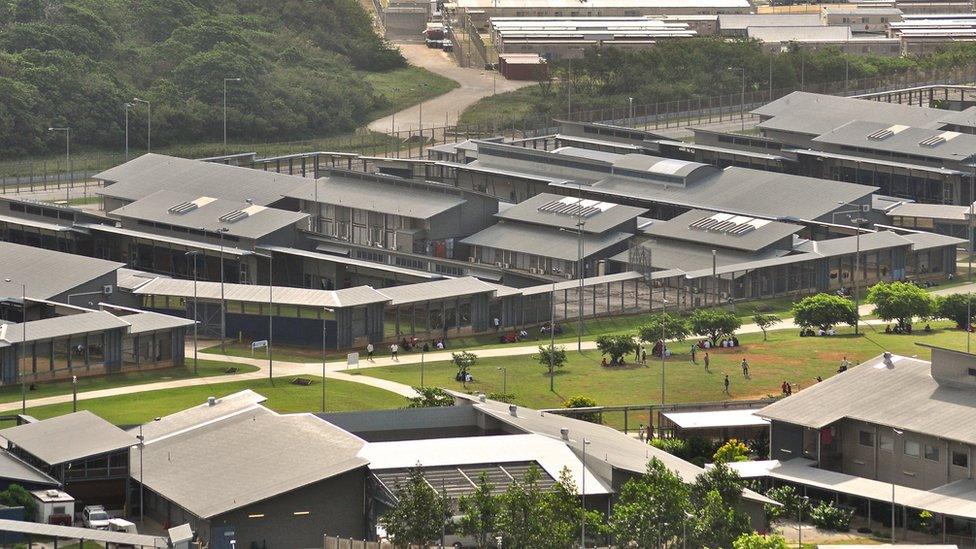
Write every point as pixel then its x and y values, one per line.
pixel 865 438
pixel 960 459
pixel 972 371
pixel 931 453
pixel 912 448
pixel 886 443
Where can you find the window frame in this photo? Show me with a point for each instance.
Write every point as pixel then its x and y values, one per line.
pixel 918 449
pixel 861 437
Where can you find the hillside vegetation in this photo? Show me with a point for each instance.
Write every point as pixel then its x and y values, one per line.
pixel 304 66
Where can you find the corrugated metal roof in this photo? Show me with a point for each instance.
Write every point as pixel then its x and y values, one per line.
pixel 60 326
pixel 799 34
pixel 713 419
pixel 956 147
pixel 345 260
pixel 741 21
pixel 596 4
pixel 146 321
pixel 400 197
pixel 609 216
pixel 435 290
pixel 87 534
pixel 261 454
pixel 249 293
pixel 765 234
pixel 926 241
pixel 36 223
pixel 573 284
pixel 543 241
pixel 14 469
pixel 130 279
pixel 877 162
pixel 186 243
pixel 47 273
pixel 259 222
pixel 69 437
pixel 849 244
pixel 143 176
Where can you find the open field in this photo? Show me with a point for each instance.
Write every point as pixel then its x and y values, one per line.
pixel 785 357
pixel 206 368
pixel 283 396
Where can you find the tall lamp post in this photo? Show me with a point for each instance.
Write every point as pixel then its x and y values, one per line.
pixel 969 224
pixel 504 372
pixel 226 80
pixel 23 346
pixel 67 156
pixel 126 107
pixel 223 304
pixel 583 497
pixel 196 317
pixel 270 259
pixel 799 521
pixel 857 221
pixel 664 306
pixel 742 100
pixel 552 338
pixel 148 122
pixel 899 433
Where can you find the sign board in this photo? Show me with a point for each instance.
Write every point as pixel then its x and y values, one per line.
pixel 352 359
pixel 261 344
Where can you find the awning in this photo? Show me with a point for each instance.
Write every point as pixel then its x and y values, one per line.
pixel 717 419
pixel 186 243
pixel 352 262
pixel 875 161
pixel 35 223
pixel 88 534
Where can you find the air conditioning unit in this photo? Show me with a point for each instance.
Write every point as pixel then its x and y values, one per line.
pixel 107 289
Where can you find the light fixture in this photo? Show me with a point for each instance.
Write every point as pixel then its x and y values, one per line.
pixel 260 515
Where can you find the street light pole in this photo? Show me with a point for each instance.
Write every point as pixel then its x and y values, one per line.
pixel 148 122
pixel 67 155
pixel 664 306
pixel 504 372
pixel 23 347
pixel 74 393
pixel 226 80
pixel 196 317
pixel 127 107
pixel 142 444
pixel 583 497
pixel 223 304
pixel 552 338
pixel 323 364
pixel 899 433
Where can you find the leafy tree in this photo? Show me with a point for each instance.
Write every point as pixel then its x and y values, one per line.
pixel 418 516
pixel 959 308
pixel 714 323
pixel 823 311
pixel 716 524
pixel 479 512
pixel 765 321
pixel 731 451
pixel 617 346
pixel 722 479
pixel 792 503
pixel 650 509
pixel 827 517
pixel 552 357
pixel 16 496
pixel 670 326
pixel 900 301
pixel 567 513
pixel 522 517
pixel 697 450
pixel 430 397
pixel 579 401
pixel 759 541
pixel 463 361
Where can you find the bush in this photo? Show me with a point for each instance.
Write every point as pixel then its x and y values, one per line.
pixel 792 503
pixel 733 450
pixel 694 449
pixel 827 517
pixel 431 397
pixel 759 541
pixel 956 307
pixel 16 496
pixel 502 397
pixel 583 402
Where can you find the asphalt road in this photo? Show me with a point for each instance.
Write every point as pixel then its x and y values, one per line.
pixel 474 85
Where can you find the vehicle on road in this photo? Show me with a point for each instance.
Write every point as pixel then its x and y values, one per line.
pixel 94 516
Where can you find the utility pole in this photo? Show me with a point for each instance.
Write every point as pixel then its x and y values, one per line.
pixel 226 80
pixel 148 122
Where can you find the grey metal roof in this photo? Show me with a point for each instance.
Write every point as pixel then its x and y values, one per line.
pixel 542 241
pixel 741 268
pixel 250 293
pixel 183 242
pixel 932 211
pixel 87 534
pixel 903 395
pixel 925 241
pixel 849 244
pixel 149 173
pixel 47 273
pixel 35 223
pixel 259 221
pixel 130 279
pixel 743 191
pixel 14 469
pixel 349 261
pixel 863 160
pixel 60 326
pixel 69 437
pixel 816 114
pixel 147 321
pixel 958 147
pixel 742 21
pixel 205 412
pixel 261 454
pixel 721 150
pixel 960 118
pixel 593 154
pixel 587 282
pixel 799 33
pixel 609 216
pixel 437 289
pixel 769 233
pixel 688 257
pixel 409 199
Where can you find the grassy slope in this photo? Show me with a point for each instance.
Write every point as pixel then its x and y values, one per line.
pixel 282 396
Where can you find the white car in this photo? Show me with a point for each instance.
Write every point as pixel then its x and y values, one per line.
pixel 94 516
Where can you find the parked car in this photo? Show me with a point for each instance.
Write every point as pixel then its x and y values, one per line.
pixel 94 516
pixel 447 45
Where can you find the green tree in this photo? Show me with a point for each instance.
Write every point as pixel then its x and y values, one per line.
pixel 959 308
pixel 564 510
pixel 479 512
pixel 616 346
pixel 650 509
pixel 552 357
pixel 418 516
pixel 823 311
pixel 522 519
pixel 714 323
pixel 716 497
pixel 900 301
pixel 430 397
pixel 580 401
pixel 670 326
pixel 16 496
pixel 765 321
pixel 791 503
pixel 759 541
pixel 463 361
pixel 733 450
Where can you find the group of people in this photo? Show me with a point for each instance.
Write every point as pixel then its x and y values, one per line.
pixel 809 332
pixel 725 342
pixel 407 345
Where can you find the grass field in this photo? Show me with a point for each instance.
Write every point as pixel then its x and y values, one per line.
pixel 206 368
pixel 283 396
pixel 408 86
pixel 785 357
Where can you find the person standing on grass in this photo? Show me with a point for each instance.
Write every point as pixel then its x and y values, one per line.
pixel 727 383
pixel 394 349
pixel 706 360
pixel 745 369
pixel 637 353
pixel 694 359
pixel 844 365
pixel 369 352
pixel 644 356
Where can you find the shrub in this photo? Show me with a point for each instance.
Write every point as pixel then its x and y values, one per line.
pixel 759 541
pixel 732 450
pixel 697 450
pixel 791 502
pixel 583 402
pixel 827 517
pixel 430 397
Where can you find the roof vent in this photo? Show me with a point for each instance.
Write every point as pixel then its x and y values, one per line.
pixel 211 401
pixel 564 432
pixel 881 134
pixel 182 208
pixel 513 410
pixel 572 207
pixel 933 141
pixel 234 216
pixel 53 493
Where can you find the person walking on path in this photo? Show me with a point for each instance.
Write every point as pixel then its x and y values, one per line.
pixel 706 360
pixel 369 352
pixel 394 349
pixel 727 383
pixel 745 369
pixel 694 349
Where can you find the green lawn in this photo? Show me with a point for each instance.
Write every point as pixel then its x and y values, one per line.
pixel 784 357
pixel 408 86
pixel 206 368
pixel 283 396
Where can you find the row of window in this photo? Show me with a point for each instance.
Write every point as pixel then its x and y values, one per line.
pixel 182 230
pixel 32 209
pixel 913 449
